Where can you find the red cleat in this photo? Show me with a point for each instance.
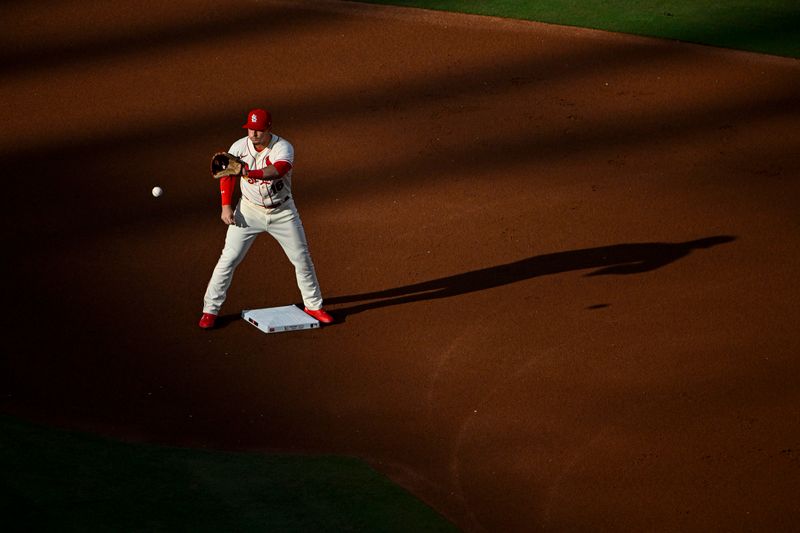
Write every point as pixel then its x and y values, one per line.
pixel 320 315
pixel 207 320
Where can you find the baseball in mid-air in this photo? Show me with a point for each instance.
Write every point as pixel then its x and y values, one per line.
pixel 157 191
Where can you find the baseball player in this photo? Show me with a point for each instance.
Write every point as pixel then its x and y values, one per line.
pixel 265 205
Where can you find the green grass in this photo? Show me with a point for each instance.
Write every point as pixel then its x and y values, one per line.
pixel 768 26
pixel 63 481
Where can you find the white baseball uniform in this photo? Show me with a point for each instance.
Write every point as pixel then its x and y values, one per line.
pixel 265 206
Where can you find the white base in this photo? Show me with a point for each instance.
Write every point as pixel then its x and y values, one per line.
pixel 276 319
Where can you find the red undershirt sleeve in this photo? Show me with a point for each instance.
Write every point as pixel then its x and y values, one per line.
pixel 282 167
pixel 226 186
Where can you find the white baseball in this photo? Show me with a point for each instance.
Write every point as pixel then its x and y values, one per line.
pixel 157 191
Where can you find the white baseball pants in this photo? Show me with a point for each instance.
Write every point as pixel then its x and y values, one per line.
pixel 285 226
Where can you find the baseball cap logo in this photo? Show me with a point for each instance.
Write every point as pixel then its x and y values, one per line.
pixel 258 119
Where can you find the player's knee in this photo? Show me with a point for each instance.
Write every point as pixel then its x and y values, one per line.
pixel 302 262
pixel 230 257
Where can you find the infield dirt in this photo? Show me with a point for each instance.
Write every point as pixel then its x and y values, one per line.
pixel 564 263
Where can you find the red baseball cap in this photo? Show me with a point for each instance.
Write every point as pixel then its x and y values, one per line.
pixel 258 119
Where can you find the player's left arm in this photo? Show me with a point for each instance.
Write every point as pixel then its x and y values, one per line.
pixel 270 172
pixel 283 157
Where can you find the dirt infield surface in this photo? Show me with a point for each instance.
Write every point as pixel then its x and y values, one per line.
pixel 564 263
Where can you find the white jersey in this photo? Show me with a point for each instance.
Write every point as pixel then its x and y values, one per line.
pixel 264 192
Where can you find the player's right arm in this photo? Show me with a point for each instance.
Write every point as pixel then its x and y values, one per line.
pixel 227 215
pixel 226 186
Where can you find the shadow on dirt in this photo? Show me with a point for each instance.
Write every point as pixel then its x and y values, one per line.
pixel 618 259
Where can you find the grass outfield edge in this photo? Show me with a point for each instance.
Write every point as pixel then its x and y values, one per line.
pixel 64 480
pixel 769 27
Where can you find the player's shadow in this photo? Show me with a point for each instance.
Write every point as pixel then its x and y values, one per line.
pixel 618 259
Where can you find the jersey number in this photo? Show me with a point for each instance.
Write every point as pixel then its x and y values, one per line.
pixel 276 187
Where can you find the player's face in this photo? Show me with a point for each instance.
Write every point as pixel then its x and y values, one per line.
pixel 258 136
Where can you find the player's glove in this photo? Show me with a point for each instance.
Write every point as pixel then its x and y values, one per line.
pixel 225 164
